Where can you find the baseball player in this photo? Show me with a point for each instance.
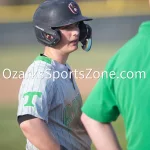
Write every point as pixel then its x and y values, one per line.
pixel 50 103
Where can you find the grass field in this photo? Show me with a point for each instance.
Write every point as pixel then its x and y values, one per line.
pixel 18 58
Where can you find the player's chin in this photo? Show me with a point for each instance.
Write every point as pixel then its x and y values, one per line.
pixel 73 48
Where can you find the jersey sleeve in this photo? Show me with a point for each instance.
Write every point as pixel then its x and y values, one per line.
pixel 101 104
pixel 35 95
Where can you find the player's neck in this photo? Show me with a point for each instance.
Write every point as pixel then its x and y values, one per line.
pixel 56 55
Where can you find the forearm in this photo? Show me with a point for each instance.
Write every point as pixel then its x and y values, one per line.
pixel 36 131
pixel 102 135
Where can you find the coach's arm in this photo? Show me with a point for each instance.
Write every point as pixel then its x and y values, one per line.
pixel 102 135
pixel 36 131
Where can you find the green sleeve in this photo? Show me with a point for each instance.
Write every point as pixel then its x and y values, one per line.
pixel 101 104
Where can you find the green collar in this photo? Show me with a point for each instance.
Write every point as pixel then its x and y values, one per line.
pixel 43 58
pixel 145 28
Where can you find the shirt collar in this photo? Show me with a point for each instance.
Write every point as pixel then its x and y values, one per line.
pixel 56 65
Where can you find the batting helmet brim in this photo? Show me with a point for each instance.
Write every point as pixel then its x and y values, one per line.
pixel 73 20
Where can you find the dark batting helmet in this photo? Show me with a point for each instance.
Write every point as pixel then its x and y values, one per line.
pixel 53 14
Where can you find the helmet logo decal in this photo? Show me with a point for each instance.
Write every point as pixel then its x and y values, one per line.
pixel 73 8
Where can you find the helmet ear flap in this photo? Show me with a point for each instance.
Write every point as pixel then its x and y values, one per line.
pixel 50 37
pixel 85 36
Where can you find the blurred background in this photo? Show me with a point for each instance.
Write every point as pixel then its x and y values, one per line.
pixel 115 22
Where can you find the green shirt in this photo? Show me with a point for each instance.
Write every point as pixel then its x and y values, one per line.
pixel 126 90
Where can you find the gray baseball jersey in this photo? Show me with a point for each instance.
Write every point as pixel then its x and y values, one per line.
pixel 48 92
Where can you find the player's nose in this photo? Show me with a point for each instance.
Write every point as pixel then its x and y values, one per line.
pixel 76 31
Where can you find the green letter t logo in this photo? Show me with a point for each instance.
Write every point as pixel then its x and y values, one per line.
pixel 30 97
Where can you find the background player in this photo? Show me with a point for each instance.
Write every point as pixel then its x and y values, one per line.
pixel 49 109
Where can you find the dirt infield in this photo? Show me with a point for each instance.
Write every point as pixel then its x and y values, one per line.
pixel 9 88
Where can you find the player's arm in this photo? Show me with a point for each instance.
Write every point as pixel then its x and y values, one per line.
pixel 102 135
pixel 36 131
pixel 35 100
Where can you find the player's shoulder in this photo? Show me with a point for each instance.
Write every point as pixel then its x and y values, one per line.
pixel 39 71
pixel 38 77
pixel 42 62
pixel 40 65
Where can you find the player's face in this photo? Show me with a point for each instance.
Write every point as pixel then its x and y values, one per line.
pixel 69 38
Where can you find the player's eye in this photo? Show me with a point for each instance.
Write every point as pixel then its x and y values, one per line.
pixel 70 27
